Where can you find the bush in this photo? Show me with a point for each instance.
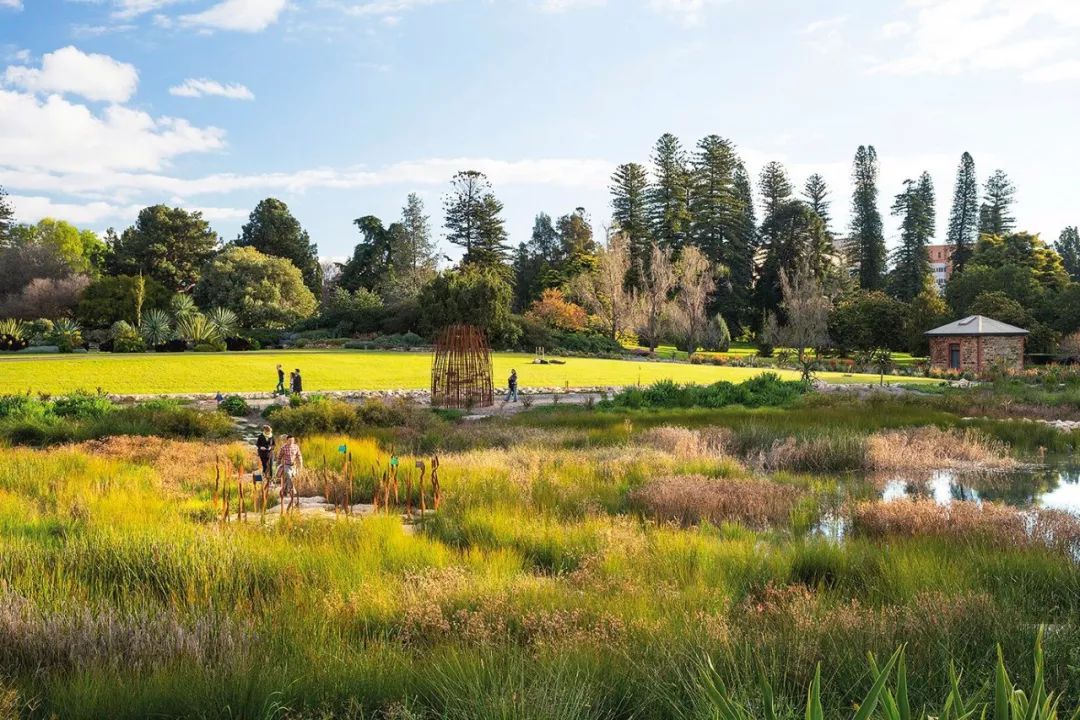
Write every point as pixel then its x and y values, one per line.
pixel 82 405
pixel 10 343
pixel 766 390
pixel 174 345
pixel 235 406
pixel 241 344
pixel 209 347
pixel 128 345
pixel 21 407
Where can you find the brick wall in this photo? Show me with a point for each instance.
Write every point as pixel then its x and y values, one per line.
pixel 987 349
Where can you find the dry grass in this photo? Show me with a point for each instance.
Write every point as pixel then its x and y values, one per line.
pixel 930 448
pixel 178 463
pixel 969 521
pixel 691 499
pixel 686 443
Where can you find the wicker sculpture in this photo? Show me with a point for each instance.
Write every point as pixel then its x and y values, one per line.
pixel 461 370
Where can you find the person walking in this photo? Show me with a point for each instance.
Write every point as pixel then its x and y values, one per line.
pixel 280 389
pixel 291 462
pixel 297 382
pixel 264 445
pixel 512 390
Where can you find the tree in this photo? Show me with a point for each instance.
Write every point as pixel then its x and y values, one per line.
pixel 372 256
pixel 50 298
pixel 653 298
pixel 806 309
pixel 170 245
pixel 916 205
pixel 816 192
pixel 866 320
pixel 556 312
pixel 264 291
pixel 472 294
pixel 577 249
pixel 774 186
pixel 603 290
pixel 926 311
pixel 272 230
pixel 417 250
pixel 792 236
pixel 7 217
pixel 995 214
pixel 668 198
pixel 629 213
pixel 867 242
pixel 81 250
pixel 473 220
pixel 22 263
pixel 964 218
pixel 696 283
pixel 998 305
pixel 1068 247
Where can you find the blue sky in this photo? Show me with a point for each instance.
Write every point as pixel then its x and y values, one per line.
pixel 342 107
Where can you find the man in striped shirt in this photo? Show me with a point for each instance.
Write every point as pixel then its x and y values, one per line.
pixel 290 462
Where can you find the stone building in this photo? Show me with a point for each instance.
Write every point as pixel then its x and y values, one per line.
pixel 975 344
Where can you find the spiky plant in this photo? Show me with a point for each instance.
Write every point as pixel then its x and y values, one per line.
pixel 182 306
pixel 197 329
pixel 14 327
pixel 156 328
pixel 226 321
pixel 67 334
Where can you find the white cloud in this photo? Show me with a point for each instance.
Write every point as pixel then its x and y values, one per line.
pixel 389 10
pixel 201 87
pixel 127 9
pixel 958 36
pixel 58 136
pixel 558 6
pixel 32 208
pixel 819 26
pixel 13 4
pixel 70 70
pixel 1056 72
pixel 690 12
pixel 238 15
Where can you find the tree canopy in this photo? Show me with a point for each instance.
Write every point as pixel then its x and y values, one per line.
pixel 272 230
pixel 170 245
pixel 264 291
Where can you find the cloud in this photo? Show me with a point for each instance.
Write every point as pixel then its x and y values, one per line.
pixel 32 208
pixel 1056 72
pixel 558 6
pixel 238 15
pixel 58 136
pixel 202 87
pixel 819 26
pixel 690 12
pixel 960 36
pixel 13 4
pixel 128 9
pixel 388 10
pixel 70 70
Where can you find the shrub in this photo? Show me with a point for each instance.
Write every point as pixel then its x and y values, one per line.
pixel 67 335
pixel 210 347
pixel 174 345
pixel 765 390
pixel 235 406
pixel 241 344
pixel 556 312
pixel 11 343
pixel 156 328
pixel 21 407
pixel 82 406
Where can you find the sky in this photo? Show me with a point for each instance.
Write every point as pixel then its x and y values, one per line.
pixel 343 107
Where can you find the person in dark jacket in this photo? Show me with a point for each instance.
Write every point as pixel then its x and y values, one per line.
pixel 280 389
pixel 297 382
pixel 511 384
pixel 264 445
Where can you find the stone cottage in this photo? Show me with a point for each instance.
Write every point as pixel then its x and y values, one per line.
pixel 977 343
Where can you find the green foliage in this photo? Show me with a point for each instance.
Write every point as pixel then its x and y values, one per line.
pixel 867 320
pixel 224 320
pixel 114 298
pixel 629 203
pixel 995 213
pixel 262 291
pixel 912 262
pixel 169 245
pixel 999 306
pixel 82 251
pixel 235 406
pixel 867 248
pixel 272 230
pixel 473 220
pixel 668 208
pixel 964 217
pixel 351 312
pixel 157 327
pixel 67 335
pixel 1068 247
pixel 14 328
pixel 766 390
pixel 198 330
pixel 474 295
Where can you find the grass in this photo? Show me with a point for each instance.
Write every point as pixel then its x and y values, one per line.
pixel 160 373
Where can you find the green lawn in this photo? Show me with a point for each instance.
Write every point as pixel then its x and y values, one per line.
pixel 333 370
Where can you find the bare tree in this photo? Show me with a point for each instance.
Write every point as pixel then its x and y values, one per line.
pixel 603 291
pixel 697 281
pixel 45 298
pixel 806 310
pixel 653 298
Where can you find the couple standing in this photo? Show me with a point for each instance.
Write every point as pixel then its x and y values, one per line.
pixel 290 461
pixel 296 383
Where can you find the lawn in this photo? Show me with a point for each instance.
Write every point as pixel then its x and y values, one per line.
pixel 337 370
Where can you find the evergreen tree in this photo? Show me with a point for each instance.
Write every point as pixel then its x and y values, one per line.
pixel 577 248
pixel 1068 247
pixel 473 220
pixel 170 245
pixel 372 257
pixel 867 242
pixel 916 205
pixel 272 230
pixel 964 218
pixel 793 236
pixel 629 189
pixel 774 186
pixel 995 216
pixel 7 218
pixel 816 193
pixel 417 250
pixel 533 261
pixel 668 198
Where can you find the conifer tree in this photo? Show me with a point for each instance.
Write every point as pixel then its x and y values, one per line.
pixel 774 186
pixel 7 218
pixel 473 220
pixel 995 215
pixel 668 197
pixel 916 205
pixel 816 193
pixel 418 248
pixel 629 205
pixel 272 230
pixel 1068 247
pixel 964 218
pixel 867 243
pixel 793 236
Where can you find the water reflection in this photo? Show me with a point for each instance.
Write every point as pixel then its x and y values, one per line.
pixel 1052 487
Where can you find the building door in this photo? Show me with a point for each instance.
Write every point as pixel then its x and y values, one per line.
pixel 954 356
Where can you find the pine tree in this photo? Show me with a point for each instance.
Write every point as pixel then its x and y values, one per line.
pixel 793 236
pixel 916 205
pixel 668 198
pixel 816 193
pixel 995 216
pixel 576 252
pixel 272 230
pixel 1068 247
pixel 867 242
pixel 629 187
pixel 964 218
pixel 7 218
pixel 473 220
pixel 774 186
pixel 418 249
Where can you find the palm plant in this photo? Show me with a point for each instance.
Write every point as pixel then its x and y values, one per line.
pixel 67 334
pixel 226 321
pixel 197 329
pixel 156 328
pixel 182 306
pixel 15 328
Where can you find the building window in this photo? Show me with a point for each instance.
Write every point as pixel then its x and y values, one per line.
pixel 954 356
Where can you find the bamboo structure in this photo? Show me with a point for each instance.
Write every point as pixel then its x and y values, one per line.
pixel 461 375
